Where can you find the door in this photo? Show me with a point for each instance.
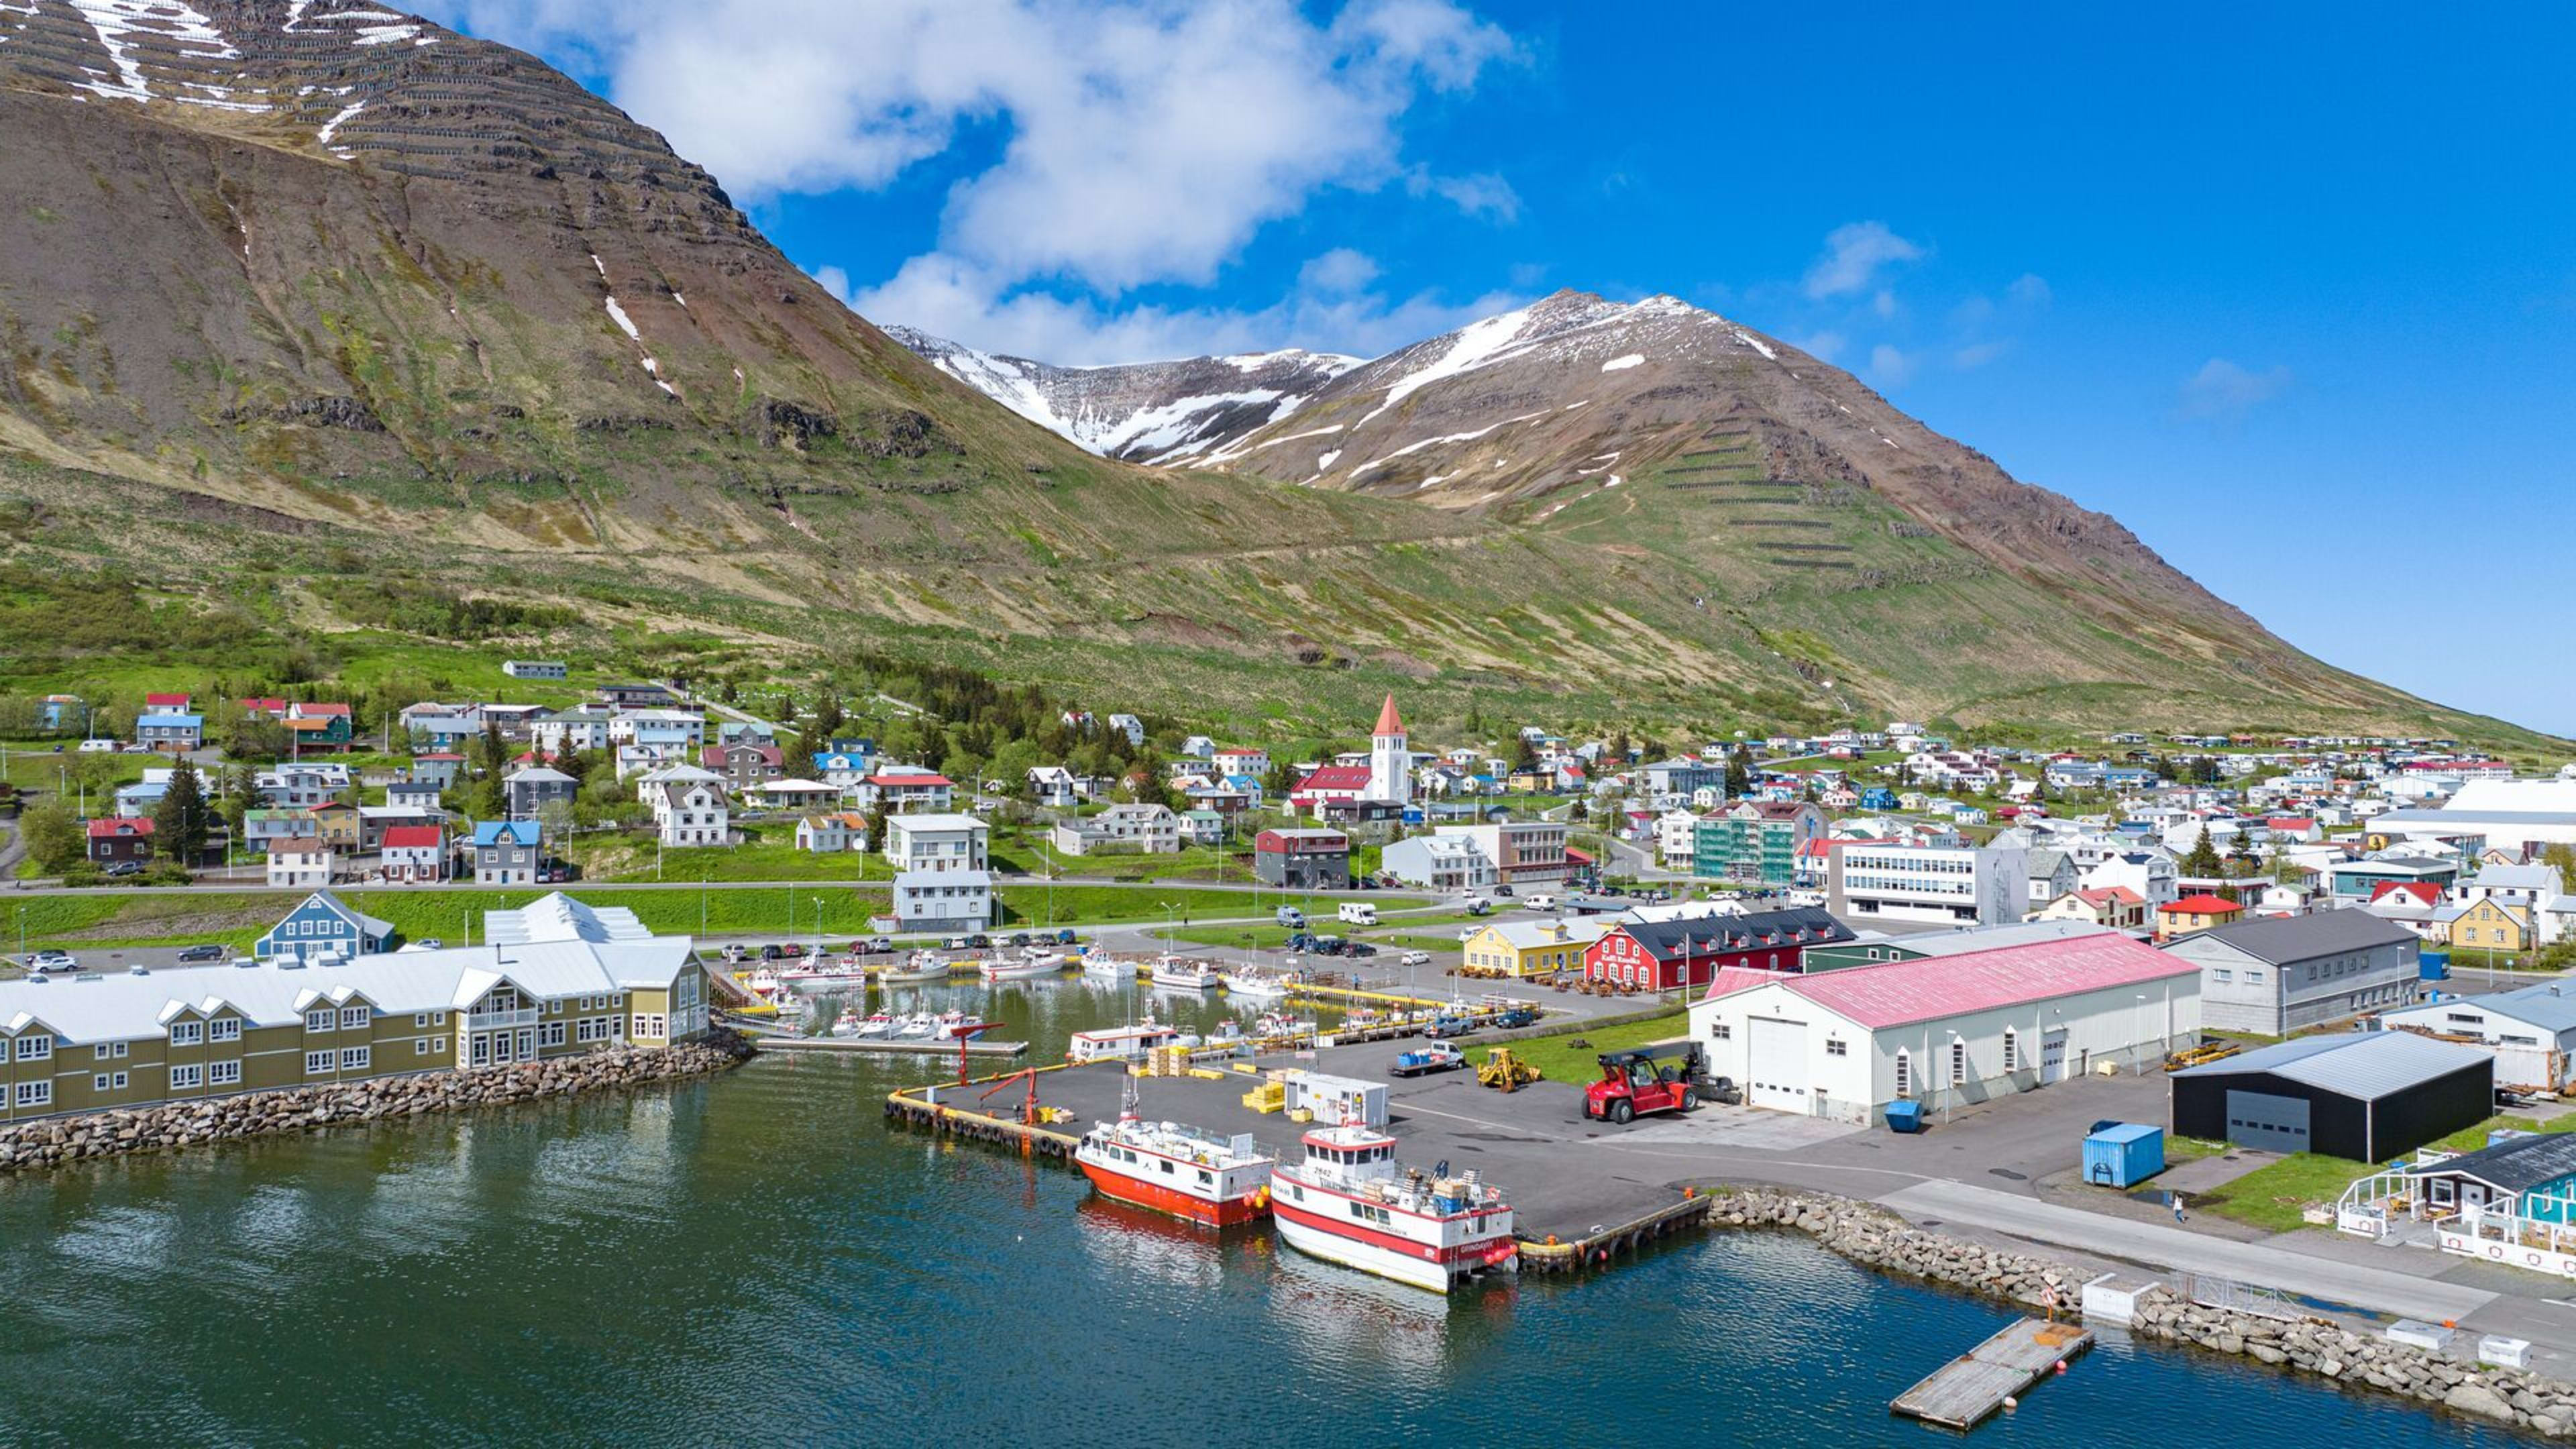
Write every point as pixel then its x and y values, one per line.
pixel 1776 1065
pixel 2272 1123
pixel 2052 1057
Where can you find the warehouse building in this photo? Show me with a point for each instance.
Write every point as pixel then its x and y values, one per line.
pixel 1945 1031
pixel 2282 974
pixel 2364 1096
pixel 2531 1032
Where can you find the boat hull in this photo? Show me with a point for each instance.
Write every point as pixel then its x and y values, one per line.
pixel 1136 1192
pixel 1404 1262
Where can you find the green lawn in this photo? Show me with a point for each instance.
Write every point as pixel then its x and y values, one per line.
pixel 2272 1197
pixel 771 855
pixel 1562 1061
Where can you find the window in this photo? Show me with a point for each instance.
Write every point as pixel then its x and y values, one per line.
pixel 224 1074
pixel 353 1016
pixel 354 1059
pixel 317 1064
pixel 419 1019
pixel 320 1019
pixel 2221 974
pixel 187 1033
pixel 438 1046
pixel 2253 977
pixel 482 1049
pixel 35 1094
pixel 1958 1062
pixel 438 1018
pixel 35 1048
pixel 2012 1051
pixel 1837 1047
pixel 181 1078
pixel 420 1046
pixel 652 1027
pixel 550 1034
pixel 222 1028
pixel 1904 1073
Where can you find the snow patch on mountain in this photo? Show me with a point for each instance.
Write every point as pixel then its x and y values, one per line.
pixel 1623 363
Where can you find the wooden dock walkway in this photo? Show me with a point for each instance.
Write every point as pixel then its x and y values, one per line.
pixel 915 1046
pixel 1964 1392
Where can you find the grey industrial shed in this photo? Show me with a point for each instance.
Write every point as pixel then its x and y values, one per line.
pixel 2366 1096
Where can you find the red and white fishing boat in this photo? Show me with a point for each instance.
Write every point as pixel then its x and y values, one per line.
pixel 1174 1169
pixel 1121 1042
pixel 1351 1202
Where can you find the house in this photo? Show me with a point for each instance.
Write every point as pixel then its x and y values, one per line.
pixel 414 795
pixel 321 726
pixel 1440 861
pixel 1756 842
pixel 203 1032
pixel 636 696
pixel 942 901
pixel 1198 747
pixel 744 763
pixel 507 852
pixel 1330 785
pixel 1053 786
pixel 2195 913
pixel 412 854
pixel 1203 827
pixel 2116 907
pixel 658 727
pixel 1868 948
pixel 1953 885
pixel 170 733
pixel 1302 860
pixel 120 839
pixel 2052 874
pixel 2485 925
pixel 165 703
pixel 1948 1030
pixel 2281 974
pixel 1688 952
pixel 2531 1032
pixel 786 794
pixel 143 796
pixel 537 786
pixel 830 833
pixel 846 762
pixel 931 844
pixel 1146 829
pixel 337 824
pixel 261 828
pixel 323 926
pixel 1130 726
pixel 2357 880
pixel 1523 853
pixel 691 812
pixel 2361 1096
pixel 440 727
pixel 904 790
pixel 2151 873
pixel 1531 947
pixel 1253 762
pixel 55 711
pixel 300 863
pixel 571 731
pixel 438 767
pixel 536 669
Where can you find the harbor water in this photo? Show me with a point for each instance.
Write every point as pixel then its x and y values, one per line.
pixel 759 1257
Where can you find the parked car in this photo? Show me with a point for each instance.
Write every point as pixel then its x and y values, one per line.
pixel 1020 938
pixel 791 951
pixel 1502 890
pixel 736 952
pixel 772 953
pixel 1416 958
pixel 960 943
pixel 431 943
pixel 52 962
pixel 979 941
pixel 1064 937
pixel 1448 1026
pixel 1518 1016
pixel 136 750
pixel 202 953
pixel 124 868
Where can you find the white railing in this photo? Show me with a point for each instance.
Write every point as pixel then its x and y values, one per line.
pixel 500 1020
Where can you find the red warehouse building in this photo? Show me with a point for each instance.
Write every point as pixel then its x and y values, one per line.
pixel 1669 955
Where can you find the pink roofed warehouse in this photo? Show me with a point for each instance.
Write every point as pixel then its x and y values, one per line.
pixel 1946 1030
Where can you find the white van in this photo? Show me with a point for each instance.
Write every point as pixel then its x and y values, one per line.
pixel 1358 913
pixel 1539 903
pixel 98 747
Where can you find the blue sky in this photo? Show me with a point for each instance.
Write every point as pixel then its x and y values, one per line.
pixel 2290 290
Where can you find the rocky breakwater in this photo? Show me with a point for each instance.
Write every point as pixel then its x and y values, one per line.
pixel 1879 1239
pixel 54 1141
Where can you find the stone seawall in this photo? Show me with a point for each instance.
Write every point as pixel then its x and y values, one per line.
pixel 1876 1238
pixel 53 1141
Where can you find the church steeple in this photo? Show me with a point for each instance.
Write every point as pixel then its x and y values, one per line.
pixel 1388 721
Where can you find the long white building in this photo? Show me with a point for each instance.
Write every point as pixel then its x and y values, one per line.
pixel 1945 1030
pixel 1869 881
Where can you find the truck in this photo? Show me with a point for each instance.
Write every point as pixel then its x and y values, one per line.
pixel 1642 1082
pixel 1291 917
pixel 1358 913
pixel 1439 1056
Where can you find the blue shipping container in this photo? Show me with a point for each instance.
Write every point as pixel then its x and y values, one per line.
pixel 2433 966
pixel 2124 1155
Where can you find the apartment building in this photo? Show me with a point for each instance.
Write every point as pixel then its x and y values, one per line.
pixel 1950 886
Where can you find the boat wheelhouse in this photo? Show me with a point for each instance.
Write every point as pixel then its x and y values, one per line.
pixel 1351 1202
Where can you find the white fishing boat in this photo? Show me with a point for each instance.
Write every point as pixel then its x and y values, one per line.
pixel 879 1024
pixel 848 1023
pixel 951 1025
pixel 1182 974
pixel 1125 1043
pixel 1101 966
pixel 1254 986
pixel 916 1026
pixel 1026 966
pixel 922 966
pixel 1351 1202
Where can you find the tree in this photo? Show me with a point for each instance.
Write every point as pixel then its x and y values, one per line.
pixel 2241 860
pixel 54 838
pixel 237 796
pixel 877 827
pixel 491 756
pixel 2561 858
pixel 1739 773
pixel 828 718
pixel 1524 755
pixel 2202 861
pixel 181 822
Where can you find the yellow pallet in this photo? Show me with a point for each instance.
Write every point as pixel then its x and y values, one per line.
pixel 1302 1114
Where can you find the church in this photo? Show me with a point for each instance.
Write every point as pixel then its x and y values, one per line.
pixel 1378 790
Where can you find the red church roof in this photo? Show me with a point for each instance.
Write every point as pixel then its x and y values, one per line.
pixel 1388 721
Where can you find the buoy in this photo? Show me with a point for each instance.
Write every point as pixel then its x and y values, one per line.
pixel 2011 1403
pixel 2061 1365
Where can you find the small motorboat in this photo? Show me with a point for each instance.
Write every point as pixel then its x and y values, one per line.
pixel 916 1026
pixel 1101 966
pixel 1253 986
pixel 881 1024
pixel 1026 966
pixel 923 966
pixel 951 1025
pixel 1181 974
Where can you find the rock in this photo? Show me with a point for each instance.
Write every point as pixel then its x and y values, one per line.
pixel 2477 1398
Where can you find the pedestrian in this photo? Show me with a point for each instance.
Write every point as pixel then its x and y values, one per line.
pixel 2175 1199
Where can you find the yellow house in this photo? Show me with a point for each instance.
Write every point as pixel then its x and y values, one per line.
pixel 2485 925
pixel 1531 948
pixel 2195 913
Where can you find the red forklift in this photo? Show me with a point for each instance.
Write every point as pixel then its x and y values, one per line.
pixel 1649 1080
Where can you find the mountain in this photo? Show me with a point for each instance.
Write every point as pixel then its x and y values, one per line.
pixel 1154 412
pixel 334 345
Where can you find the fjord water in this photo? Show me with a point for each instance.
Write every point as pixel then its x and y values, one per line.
pixel 759 1257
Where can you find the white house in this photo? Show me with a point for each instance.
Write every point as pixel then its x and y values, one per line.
pixel 1945 1030
pixel 1440 862
pixel 829 833
pixel 2150 873
pixel 935 843
pixel 1676 837
pixel 943 900
pixel 1054 786
pixel 692 812
pixel 303 863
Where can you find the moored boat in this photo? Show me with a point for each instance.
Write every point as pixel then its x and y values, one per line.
pixel 923 966
pixel 1021 968
pixel 1101 966
pixel 1121 1042
pixel 1253 986
pixel 1182 974
pixel 1351 1202
pixel 1174 1169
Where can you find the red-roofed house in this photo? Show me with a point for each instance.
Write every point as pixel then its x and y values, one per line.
pixel 413 853
pixel 1669 955
pixel 120 839
pixel 165 704
pixel 1945 1030
pixel 2300 828
pixel 2422 893
pixel 2196 913
pixel 902 791
pixel 2117 907
pixel 1332 783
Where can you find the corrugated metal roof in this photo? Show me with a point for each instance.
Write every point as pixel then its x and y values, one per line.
pixel 2517 1164
pixel 1997 938
pixel 2283 939
pixel 1898 993
pixel 2366 1065
pixel 2547 1006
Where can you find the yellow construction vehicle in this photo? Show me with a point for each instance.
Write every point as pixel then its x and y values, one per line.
pixel 2201 1055
pixel 1505 1071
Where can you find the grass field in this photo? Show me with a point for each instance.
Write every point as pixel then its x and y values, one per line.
pixel 2274 1196
pixel 1563 1061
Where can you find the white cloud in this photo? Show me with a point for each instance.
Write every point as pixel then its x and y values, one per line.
pixel 1482 194
pixel 1338 272
pixel 950 299
pixel 1978 354
pixel 1854 255
pixel 1890 366
pixel 2224 391
pixel 1884 304
pixel 2030 290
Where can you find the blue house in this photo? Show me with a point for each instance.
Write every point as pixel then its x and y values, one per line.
pixel 1878 797
pixel 58 710
pixel 846 763
pixel 324 926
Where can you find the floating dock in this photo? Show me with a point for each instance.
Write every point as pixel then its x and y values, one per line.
pixel 1967 1390
pixel 909 1046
